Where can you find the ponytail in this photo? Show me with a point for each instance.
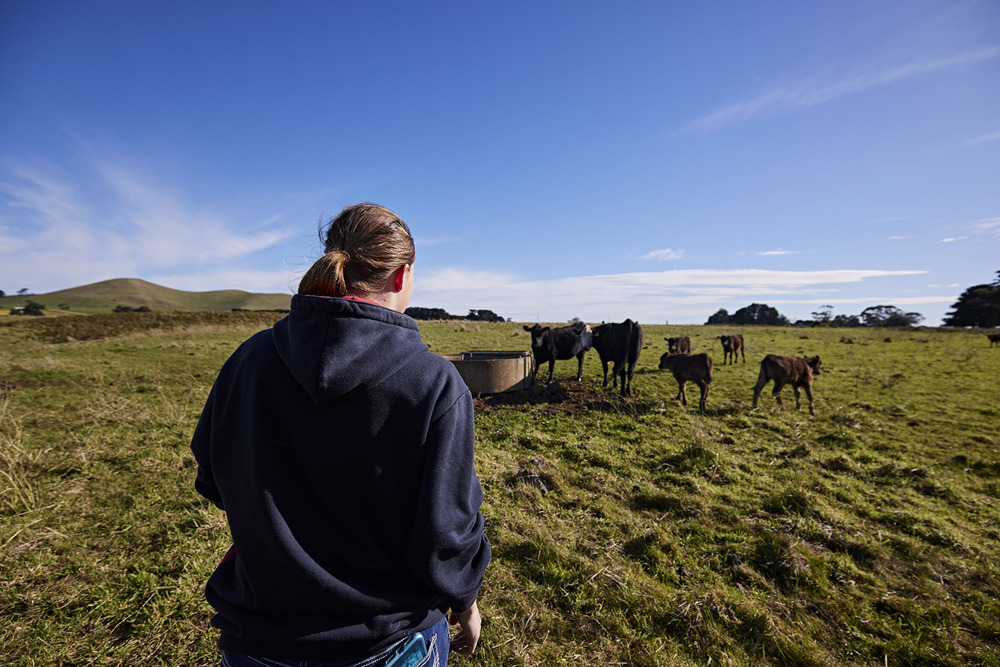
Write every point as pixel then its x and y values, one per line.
pixel 363 245
pixel 326 276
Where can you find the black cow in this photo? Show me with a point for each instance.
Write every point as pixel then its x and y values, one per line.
pixel 994 339
pixel 731 345
pixel 619 344
pixel 686 368
pixel 679 345
pixel 548 344
pixel 796 371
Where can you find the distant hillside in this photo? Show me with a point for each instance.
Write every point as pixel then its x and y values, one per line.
pixel 102 297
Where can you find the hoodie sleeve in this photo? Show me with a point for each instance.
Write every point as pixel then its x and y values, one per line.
pixel 201 446
pixel 447 548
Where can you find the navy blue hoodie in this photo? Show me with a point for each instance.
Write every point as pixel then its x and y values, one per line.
pixel 341 449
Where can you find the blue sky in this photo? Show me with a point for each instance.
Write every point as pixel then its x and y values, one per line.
pixel 652 160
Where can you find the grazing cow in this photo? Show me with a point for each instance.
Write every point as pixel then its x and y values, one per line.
pixel 796 371
pixel 994 339
pixel 549 344
pixel 679 345
pixel 696 368
pixel 619 344
pixel 730 346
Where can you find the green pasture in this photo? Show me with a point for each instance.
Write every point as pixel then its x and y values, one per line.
pixel 625 531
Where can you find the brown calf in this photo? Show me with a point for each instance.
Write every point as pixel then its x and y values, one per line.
pixel 695 368
pixel 731 345
pixel 679 345
pixel 994 339
pixel 796 371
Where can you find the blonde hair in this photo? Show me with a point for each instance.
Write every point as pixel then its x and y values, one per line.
pixel 363 245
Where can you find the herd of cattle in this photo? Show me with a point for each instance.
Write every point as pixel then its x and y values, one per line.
pixel 619 344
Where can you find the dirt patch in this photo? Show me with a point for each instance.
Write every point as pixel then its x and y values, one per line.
pixel 564 398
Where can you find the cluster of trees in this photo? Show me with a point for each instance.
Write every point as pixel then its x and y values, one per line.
pixel 130 309
pixel 30 308
pixel 978 306
pixel 755 313
pixel 876 316
pixel 475 315
pixel 763 314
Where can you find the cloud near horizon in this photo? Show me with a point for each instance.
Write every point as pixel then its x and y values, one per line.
pixel 641 296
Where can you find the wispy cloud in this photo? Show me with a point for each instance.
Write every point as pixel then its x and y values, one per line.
pixel 664 254
pixel 984 139
pixel 779 251
pixel 112 221
pixel 952 239
pixel 987 226
pixel 821 90
pixel 898 238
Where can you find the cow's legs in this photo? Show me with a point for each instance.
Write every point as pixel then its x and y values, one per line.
pixel 757 388
pixel 776 392
pixel 798 396
pixel 552 365
pixel 604 365
pixel 704 394
pixel 631 371
pixel 682 395
pixel 579 370
pixel 809 395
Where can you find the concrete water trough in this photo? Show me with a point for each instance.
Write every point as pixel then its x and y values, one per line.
pixel 493 372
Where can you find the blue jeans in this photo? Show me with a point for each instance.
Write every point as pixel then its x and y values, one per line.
pixel 438 642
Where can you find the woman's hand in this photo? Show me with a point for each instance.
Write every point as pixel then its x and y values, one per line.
pixel 468 636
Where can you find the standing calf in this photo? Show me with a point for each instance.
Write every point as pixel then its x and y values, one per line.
pixel 549 344
pixel 679 345
pixel 796 371
pixel 731 345
pixel 695 368
pixel 994 339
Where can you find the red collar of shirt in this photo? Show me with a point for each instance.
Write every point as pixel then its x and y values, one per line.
pixel 357 298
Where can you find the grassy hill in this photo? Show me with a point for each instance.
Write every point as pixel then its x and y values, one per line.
pixel 102 297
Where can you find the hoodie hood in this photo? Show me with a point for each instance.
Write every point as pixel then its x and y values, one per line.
pixel 338 347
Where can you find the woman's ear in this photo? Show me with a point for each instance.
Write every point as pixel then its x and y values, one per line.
pixel 398 278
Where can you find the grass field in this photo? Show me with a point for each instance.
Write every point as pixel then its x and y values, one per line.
pixel 625 531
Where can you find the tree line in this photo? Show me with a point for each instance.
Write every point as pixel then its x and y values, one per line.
pixel 763 314
pixel 475 315
pixel 978 306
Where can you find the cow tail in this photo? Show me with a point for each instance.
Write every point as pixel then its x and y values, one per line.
pixel 762 377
